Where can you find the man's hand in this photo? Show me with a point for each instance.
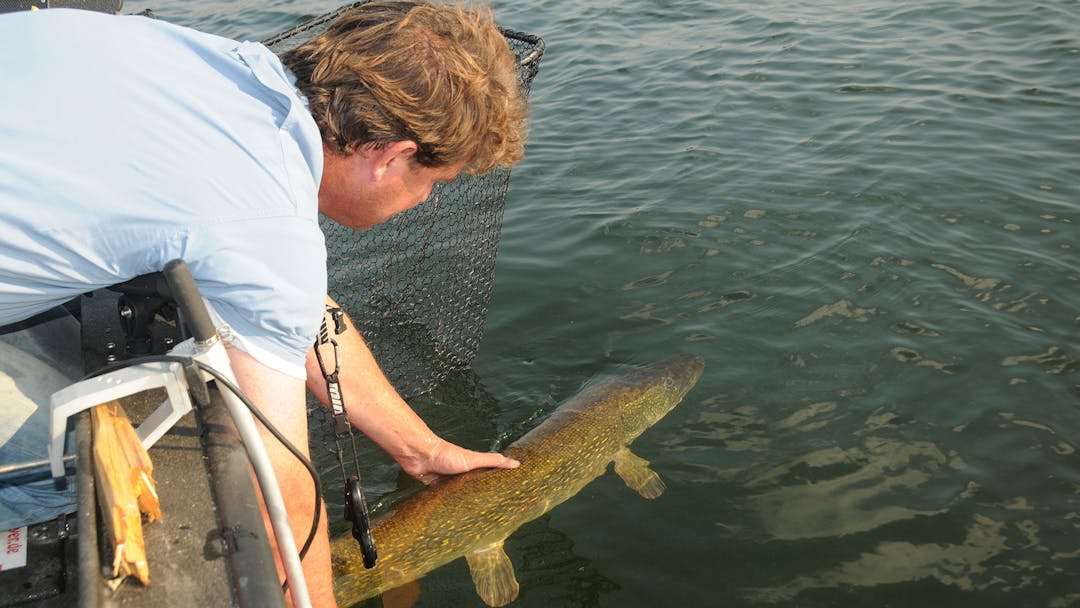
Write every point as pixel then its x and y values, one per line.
pixel 376 409
pixel 445 458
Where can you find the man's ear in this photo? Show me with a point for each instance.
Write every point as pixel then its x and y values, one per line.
pixel 392 156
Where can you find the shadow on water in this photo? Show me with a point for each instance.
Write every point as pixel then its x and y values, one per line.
pixel 846 502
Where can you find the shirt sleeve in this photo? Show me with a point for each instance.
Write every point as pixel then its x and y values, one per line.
pixel 266 280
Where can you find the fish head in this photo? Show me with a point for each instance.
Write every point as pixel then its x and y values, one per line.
pixel 652 391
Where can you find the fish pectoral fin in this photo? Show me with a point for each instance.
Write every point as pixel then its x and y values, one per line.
pixel 635 471
pixel 493 575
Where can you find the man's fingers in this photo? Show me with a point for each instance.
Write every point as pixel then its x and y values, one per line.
pixel 474 460
pixel 507 463
pixel 492 460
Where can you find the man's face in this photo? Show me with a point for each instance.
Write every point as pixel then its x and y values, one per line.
pixel 369 187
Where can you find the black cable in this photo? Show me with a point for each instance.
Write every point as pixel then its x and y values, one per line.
pixel 222 380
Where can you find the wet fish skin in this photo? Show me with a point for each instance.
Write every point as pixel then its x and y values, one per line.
pixel 472 514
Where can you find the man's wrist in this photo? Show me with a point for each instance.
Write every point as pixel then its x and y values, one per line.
pixel 417 455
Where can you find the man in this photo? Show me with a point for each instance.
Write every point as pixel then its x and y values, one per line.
pixel 126 142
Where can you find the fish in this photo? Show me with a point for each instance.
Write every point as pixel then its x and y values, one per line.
pixel 472 514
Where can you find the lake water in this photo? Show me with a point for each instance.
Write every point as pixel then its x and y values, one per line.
pixel 864 215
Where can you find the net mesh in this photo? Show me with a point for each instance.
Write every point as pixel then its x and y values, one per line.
pixel 418 285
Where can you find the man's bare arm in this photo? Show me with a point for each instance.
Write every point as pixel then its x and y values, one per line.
pixel 374 407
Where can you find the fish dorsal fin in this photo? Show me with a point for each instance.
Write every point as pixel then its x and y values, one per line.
pixel 493 575
pixel 635 471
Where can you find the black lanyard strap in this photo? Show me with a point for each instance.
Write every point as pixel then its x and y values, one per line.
pixel 355 505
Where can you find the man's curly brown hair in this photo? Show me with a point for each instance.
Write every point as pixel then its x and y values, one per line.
pixel 442 76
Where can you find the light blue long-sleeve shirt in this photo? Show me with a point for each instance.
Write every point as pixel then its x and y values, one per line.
pixel 126 142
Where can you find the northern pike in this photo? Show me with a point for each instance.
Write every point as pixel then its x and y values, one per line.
pixel 472 514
